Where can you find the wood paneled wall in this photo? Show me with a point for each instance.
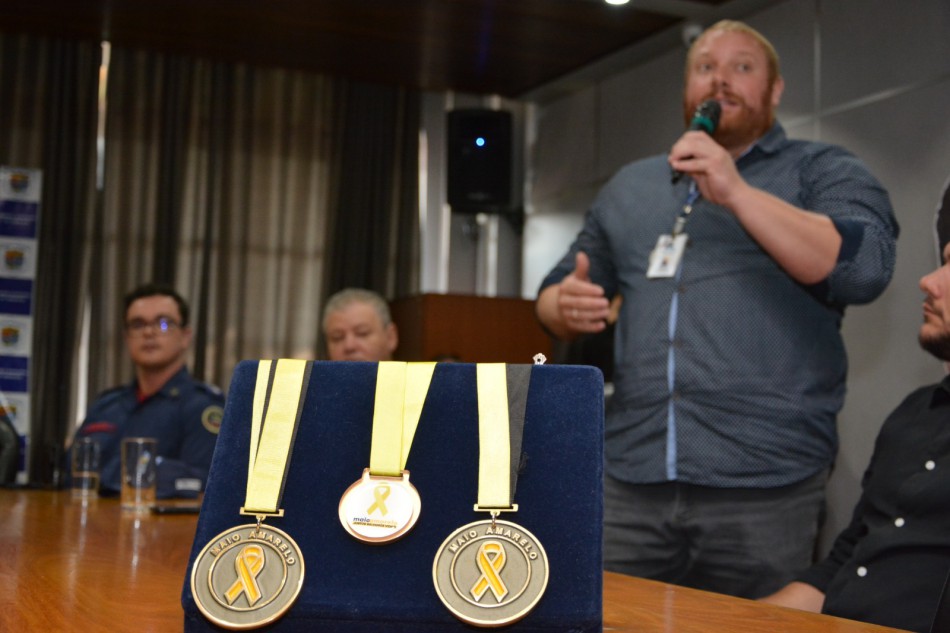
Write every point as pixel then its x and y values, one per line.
pixel 471 329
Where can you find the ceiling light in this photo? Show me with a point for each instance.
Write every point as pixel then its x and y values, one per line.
pixel 617 1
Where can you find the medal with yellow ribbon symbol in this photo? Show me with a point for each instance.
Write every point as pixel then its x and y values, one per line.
pixel 248 576
pixel 383 505
pixel 491 573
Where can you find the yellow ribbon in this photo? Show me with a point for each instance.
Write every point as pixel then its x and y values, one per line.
pixel 248 565
pixel 490 560
pixel 276 404
pixel 380 494
pixel 494 443
pixel 401 390
pixel 257 410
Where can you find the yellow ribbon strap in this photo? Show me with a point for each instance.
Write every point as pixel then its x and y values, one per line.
pixel 494 446
pixel 401 390
pixel 418 379
pixel 261 388
pixel 386 447
pixel 490 559
pixel 248 565
pixel 286 391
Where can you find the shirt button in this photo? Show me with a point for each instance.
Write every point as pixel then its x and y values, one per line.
pixel 899 521
pixel 862 571
pixel 930 465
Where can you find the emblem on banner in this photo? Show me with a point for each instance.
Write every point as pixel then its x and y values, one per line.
pixel 247 576
pixel 14 258
pixel 490 573
pixel 19 181
pixel 10 335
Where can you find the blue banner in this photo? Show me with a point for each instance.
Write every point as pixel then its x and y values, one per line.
pixel 20 191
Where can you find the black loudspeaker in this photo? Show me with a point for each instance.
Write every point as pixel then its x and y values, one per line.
pixel 479 161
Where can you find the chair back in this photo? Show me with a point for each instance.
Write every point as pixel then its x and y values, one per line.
pixel 9 451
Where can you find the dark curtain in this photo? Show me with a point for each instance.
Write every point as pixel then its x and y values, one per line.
pixel 374 221
pixel 257 192
pixel 141 202
pixel 171 170
pixel 251 189
pixel 220 142
pixel 48 105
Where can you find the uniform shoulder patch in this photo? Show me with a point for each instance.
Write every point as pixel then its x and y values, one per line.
pixel 211 418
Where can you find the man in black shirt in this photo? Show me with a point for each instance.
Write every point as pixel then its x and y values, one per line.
pixel 889 565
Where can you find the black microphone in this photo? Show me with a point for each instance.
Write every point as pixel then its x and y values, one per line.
pixel 705 119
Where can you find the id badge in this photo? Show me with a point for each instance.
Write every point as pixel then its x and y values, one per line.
pixel 666 256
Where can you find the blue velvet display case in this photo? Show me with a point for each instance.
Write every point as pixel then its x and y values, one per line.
pixel 361 588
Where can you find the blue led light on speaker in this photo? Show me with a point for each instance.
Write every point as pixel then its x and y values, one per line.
pixel 480 141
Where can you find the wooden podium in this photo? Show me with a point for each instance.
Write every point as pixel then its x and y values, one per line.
pixel 468 328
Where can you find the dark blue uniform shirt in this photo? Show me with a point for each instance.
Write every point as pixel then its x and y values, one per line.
pixel 184 416
pixel 731 374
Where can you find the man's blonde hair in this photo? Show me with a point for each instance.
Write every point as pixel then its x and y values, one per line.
pixel 734 26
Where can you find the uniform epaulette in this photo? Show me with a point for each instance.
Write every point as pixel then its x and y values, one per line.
pixel 209 388
pixel 110 394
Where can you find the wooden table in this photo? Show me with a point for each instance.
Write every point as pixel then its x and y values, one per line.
pixel 66 565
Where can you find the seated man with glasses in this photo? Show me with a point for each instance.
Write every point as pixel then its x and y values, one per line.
pixel 163 401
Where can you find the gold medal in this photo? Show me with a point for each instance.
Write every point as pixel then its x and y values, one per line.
pixel 250 575
pixel 382 506
pixel 491 573
pixel 247 576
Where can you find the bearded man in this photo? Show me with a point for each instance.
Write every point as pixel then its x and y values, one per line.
pixel 729 363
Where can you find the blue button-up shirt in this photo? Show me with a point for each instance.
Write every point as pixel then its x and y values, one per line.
pixel 732 373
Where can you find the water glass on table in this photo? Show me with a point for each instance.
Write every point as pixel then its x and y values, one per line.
pixel 84 470
pixel 139 473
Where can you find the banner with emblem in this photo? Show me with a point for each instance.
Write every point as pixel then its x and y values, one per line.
pixel 20 193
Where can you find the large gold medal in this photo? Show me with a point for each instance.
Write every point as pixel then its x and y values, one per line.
pixel 490 573
pixel 247 576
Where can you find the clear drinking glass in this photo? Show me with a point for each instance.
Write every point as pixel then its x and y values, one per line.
pixel 139 474
pixel 85 468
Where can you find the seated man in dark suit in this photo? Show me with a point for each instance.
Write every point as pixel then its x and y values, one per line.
pixel 889 565
pixel 163 401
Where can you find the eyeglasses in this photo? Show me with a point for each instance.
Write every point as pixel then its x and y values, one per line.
pixel 161 325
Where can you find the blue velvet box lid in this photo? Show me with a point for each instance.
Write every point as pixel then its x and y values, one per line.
pixel 355 587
